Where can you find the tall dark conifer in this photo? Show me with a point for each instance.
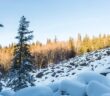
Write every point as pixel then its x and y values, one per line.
pixel 23 60
pixel 22 54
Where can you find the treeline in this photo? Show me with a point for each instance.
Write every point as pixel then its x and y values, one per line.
pixel 91 44
pixel 55 51
pixel 52 52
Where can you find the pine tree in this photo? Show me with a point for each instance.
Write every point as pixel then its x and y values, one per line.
pixel 23 60
pixel 21 52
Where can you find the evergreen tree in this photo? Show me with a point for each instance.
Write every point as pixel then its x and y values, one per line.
pixel 72 48
pixel 23 60
pixel 22 55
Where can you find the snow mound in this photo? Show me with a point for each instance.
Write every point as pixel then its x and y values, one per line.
pixel 58 93
pixel 87 77
pixel 108 76
pixel 85 84
pixel 73 88
pixel 107 94
pixel 7 93
pixel 54 86
pixel 35 91
pixel 95 88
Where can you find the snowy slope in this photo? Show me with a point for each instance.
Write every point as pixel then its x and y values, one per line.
pixel 75 77
pixel 98 61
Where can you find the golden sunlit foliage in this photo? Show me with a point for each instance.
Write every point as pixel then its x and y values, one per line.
pixel 55 51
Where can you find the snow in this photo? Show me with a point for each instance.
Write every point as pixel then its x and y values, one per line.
pixel 85 84
pixel 35 91
pixel 88 76
pixel 106 94
pixel 73 88
pixel 85 75
pixel 68 69
pixel 7 93
pixel 54 86
pixel 95 88
pixel 58 93
pixel 108 76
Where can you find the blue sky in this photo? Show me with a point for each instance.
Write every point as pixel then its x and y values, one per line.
pixel 50 18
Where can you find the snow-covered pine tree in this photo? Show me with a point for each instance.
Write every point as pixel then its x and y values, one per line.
pixel 22 64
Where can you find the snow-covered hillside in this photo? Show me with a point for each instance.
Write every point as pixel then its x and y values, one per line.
pixel 98 61
pixel 85 75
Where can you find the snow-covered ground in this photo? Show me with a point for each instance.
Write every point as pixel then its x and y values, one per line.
pixel 85 75
pixel 98 61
